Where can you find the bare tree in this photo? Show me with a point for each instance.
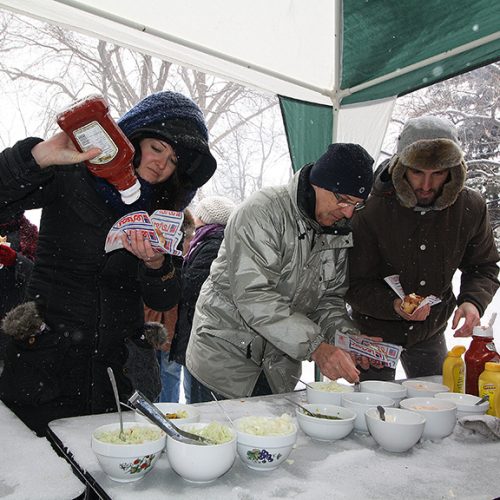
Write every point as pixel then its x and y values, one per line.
pixel 59 66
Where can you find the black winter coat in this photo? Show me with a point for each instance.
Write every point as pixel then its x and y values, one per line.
pixel 194 273
pixel 91 301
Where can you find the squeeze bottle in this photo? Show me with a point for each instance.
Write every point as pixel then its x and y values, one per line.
pixel 489 384
pixel 454 369
pixel 88 123
pixel 481 349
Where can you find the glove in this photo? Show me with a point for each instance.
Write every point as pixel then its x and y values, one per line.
pixel 7 256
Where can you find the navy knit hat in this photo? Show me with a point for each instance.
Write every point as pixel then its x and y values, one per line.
pixel 345 169
pixel 175 118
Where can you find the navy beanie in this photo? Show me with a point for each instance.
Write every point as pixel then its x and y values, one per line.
pixel 345 169
pixel 178 120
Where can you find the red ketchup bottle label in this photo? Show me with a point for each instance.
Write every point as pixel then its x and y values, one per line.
pixel 89 124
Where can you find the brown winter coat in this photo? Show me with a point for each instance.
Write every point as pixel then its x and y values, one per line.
pixel 425 249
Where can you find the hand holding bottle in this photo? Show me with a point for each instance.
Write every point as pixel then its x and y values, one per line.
pixel 60 150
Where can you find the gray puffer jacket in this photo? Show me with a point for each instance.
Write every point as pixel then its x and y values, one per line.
pixel 275 292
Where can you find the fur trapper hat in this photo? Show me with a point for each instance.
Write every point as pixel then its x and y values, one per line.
pixel 178 120
pixel 428 143
pixel 214 210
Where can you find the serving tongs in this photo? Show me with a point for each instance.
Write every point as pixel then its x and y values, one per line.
pixel 149 410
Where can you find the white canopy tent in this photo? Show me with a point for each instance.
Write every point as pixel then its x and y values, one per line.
pixel 354 57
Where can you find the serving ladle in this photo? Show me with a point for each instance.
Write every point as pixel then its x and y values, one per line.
pixel 149 410
pixel 117 400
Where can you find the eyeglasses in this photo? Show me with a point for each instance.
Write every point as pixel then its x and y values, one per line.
pixel 345 203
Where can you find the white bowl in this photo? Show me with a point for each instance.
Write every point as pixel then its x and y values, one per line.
pixel 317 392
pixel 421 388
pixel 200 463
pixel 193 413
pixel 440 415
pixel 392 390
pixel 359 402
pixel 324 429
pixel 466 403
pixel 399 432
pixel 127 462
pixel 264 452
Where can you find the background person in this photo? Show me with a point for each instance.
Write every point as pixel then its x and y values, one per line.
pixel 89 304
pixel 210 218
pixel 422 223
pixel 275 294
pixel 16 262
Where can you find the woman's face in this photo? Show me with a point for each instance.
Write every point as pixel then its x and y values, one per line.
pixel 158 161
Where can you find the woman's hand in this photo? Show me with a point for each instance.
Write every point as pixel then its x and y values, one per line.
pixel 135 243
pixel 59 150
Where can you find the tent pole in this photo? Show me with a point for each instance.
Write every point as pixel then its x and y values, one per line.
pixel 337 50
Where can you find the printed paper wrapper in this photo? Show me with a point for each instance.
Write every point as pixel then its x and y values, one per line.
pixel 385 353
pixel 393 282
pixel 163 229
pixel 3 241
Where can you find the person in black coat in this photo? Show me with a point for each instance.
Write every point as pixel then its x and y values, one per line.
pixel 85 305
pixel 210 218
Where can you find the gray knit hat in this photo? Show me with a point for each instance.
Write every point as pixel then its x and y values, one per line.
pixel 214 210
pixel 428 143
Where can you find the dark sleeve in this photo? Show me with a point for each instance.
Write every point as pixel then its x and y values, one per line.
pixel 161 288
pixel 479 265
pixel 368 293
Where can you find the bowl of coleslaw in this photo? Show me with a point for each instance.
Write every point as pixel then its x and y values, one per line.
pixel 327 392
pixel 264 443
pixel 203 463
pixel 129 459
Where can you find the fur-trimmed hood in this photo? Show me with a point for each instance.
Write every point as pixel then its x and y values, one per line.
pixel 418 148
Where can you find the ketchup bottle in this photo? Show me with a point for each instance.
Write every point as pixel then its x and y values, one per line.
pixel 89 124
pixel 481 350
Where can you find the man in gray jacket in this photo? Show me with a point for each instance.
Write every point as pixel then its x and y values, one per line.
pixel 275 294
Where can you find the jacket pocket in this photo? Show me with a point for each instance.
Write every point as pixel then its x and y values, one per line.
pixel 30 375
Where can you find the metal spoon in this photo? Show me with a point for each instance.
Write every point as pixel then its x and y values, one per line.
pixel 117 400
pixel 381 412
pixel 309 412
pixel 149 410
pixel 482 400
pixel 221 408
pixel 302 382
pixel 357 386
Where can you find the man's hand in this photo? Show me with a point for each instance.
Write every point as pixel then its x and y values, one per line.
pixel 59 150
pixel 469 312
pixel 334 363
pixel 418 315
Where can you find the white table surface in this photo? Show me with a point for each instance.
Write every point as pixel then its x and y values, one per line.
pixel 464 465
pixel 29 467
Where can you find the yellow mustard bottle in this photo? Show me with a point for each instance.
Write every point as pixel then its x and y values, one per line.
pixel 489 384
pixel 454 369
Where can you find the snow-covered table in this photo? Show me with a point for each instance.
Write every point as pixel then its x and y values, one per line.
pixel 463 465
pixel 29 467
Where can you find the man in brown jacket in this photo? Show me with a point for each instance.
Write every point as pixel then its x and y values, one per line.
pixel 422 224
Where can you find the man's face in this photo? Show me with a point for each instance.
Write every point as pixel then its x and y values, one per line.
pixel 426 184
pixel 330 208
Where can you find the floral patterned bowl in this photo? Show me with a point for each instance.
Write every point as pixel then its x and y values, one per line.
pixel 127 461
pixel 264 452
